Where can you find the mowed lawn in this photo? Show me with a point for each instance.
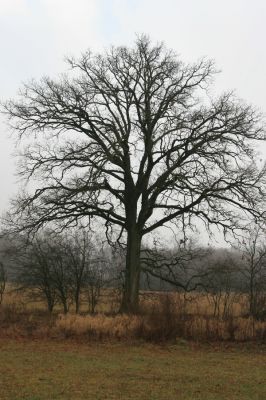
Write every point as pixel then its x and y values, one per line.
pixel 41 370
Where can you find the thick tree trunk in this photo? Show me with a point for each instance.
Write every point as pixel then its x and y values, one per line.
pixel 130 300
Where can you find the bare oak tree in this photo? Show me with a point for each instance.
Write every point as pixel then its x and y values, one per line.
pixel 132 137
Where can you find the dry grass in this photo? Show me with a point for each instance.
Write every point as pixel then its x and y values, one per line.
pixel 158 330
pixel 163 317
pixel 192 303
pixel 100 326
pixel 30 300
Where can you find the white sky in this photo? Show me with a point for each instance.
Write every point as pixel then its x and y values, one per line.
pixel 35 35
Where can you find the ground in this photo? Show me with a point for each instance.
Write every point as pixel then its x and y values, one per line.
pixel 50 369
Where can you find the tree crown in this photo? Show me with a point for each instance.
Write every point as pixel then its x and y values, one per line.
pixel 131 137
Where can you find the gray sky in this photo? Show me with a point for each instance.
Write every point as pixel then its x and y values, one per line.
pixel 37 34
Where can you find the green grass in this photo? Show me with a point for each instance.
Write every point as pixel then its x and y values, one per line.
pixel 50 370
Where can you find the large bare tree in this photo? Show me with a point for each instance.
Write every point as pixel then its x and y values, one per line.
pixel 132 137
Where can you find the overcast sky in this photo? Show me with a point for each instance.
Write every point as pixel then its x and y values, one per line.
pixel 35 35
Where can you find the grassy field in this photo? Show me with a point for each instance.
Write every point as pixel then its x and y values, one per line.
pixel 38 370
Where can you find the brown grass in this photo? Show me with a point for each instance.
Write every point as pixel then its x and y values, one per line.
pixel 163 317
pixel 158 330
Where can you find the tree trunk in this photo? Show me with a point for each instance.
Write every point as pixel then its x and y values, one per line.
pixel 50 300
pixel 50 304
pixel 130 300
pixel 64 303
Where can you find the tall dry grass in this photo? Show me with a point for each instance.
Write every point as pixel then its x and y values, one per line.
pixel 163 317
pixel 159 330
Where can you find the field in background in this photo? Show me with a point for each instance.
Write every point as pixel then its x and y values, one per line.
pixel 46 370
pixel 186 303
pixel 30 300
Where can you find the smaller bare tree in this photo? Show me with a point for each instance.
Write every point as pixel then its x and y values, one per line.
pixel 32 269
pixel 219 283
pixel 61 275
pixel 94 283
pixel 253 269
pixel 78 249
